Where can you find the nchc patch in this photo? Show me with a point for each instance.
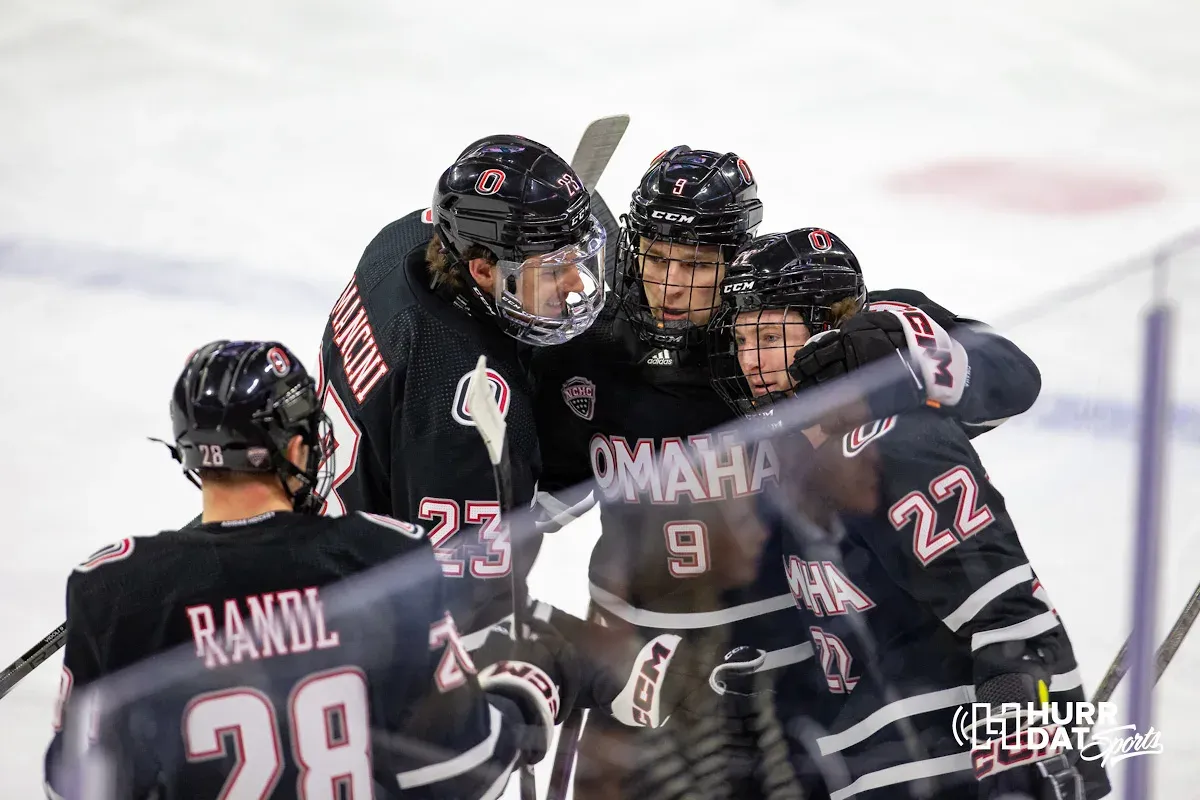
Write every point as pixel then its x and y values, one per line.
pixel 580 394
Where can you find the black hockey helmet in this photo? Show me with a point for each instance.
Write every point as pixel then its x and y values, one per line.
pixel 237 405
pixel 525 204
pixel 776 285
pixel 687 199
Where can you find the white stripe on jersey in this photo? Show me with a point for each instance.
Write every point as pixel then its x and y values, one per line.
pixel 785 656
pixel 688 621
pixel 462 763
pixel 902 773
pixel 909 706
pixel 1027 629
pixel 986 594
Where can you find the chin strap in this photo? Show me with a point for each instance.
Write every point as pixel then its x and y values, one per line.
pixel 174 451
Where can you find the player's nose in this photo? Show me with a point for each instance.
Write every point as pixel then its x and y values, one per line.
pixel 569 280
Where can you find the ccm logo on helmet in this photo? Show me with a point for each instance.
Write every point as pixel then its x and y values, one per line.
pixel 671 216
pixel 740 286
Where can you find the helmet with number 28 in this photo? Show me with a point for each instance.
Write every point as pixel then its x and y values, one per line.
pixel 238 406
pixel 689 214
pixel 517 223
pixel 781 289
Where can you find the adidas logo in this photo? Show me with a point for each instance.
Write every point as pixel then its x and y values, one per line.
pixel 662 358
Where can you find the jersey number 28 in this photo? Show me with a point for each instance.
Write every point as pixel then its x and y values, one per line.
pixel 329 725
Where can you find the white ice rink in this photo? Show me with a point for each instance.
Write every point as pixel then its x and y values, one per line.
pixel 179 171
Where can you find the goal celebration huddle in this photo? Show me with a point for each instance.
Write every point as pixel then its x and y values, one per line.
pixel 804 570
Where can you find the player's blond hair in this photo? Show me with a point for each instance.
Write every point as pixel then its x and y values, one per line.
pixel 843 310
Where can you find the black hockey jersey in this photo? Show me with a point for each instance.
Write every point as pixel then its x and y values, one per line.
pixel 396 361
pixel 636 421
pixel 906 595
pixel 267 679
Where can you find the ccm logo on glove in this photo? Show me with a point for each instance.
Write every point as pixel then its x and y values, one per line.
pixel 640 703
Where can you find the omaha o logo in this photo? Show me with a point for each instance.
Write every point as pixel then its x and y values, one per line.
pixel 490 181
pixel 461 411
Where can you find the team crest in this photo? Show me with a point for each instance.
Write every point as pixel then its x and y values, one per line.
pixel 461 411
pixel 281 365
pixel 580 395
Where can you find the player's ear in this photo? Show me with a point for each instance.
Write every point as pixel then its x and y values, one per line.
pixel 297 451
pixel 484 273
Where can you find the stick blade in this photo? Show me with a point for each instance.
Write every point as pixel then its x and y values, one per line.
pixel 484 411
pixel 596 148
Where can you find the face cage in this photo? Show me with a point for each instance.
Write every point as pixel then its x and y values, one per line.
pixel 668 334
pixel 551 298
pixel 751 347
pixel 317 478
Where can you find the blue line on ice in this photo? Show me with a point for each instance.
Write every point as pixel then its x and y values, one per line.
pixel 83 267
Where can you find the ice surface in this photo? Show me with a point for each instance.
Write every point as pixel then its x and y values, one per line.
pixel 176 172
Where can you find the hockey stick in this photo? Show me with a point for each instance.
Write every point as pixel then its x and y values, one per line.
pixel 602 138
pixel 592 154
pixel 596 148
pixel 1166 651
pixel 492 429
pixel 32 657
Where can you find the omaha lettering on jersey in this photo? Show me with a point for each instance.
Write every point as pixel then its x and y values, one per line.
pixel 697 470
pixel 821 587
pixel 361 360
pixel 281 624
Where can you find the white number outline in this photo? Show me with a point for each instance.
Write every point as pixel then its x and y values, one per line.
pixel 448 518
pixel 342 428
pixel 928 542
pixel 836 661
pixel 687 557
pixel 234 787
pixel 456 663
pixel 352 707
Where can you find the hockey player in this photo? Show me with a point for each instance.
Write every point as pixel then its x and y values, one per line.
pixel 287 688
pixel 509 258
pixel 902 560
pixel 619 402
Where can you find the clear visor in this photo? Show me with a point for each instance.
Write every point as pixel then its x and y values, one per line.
pixel 553 297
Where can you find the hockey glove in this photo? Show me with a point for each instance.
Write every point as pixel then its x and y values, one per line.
pixel 935 365
pixel 1029 758
pixel 666 674
pixel 539 673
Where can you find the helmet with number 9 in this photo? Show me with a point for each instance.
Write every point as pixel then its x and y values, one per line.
pixel 689 214
pixel 237 406
pixel 516 205
pixel 780 290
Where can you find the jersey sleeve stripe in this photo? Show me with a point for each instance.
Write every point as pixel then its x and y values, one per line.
pixel 893 712
pixel 986 594
pixel 460 764
pixel 786 656
pixel 1026 629
pixel 689 621
pixel 902 773
pixel 1066 681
